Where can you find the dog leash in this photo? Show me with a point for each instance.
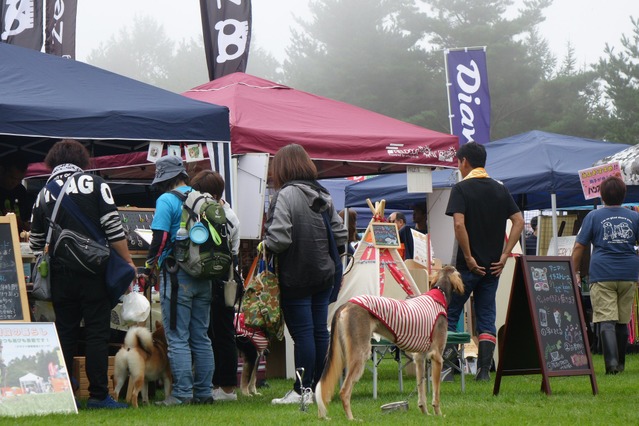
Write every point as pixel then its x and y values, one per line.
pixel 299 372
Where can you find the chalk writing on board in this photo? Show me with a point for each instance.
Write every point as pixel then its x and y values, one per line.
pixel 10 303
pixel 385 235
pixel 556 314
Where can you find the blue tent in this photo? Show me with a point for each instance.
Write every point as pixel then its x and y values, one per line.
pixel 44 98
pixel 532 165
pixel 392 188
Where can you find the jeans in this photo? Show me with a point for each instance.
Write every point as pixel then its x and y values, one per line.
pixel 307 321
pixel 484 290
pixel 190 352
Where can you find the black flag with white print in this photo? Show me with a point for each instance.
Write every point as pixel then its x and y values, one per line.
pixel 226 26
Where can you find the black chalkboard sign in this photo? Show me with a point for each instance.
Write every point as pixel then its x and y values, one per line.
pixel 385 235
pixel 136 218
pixel 545 330
pixel 14 305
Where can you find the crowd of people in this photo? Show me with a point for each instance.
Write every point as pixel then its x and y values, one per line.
pixel 199 325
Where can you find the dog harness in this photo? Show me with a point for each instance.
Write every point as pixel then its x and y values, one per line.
pixel 411 321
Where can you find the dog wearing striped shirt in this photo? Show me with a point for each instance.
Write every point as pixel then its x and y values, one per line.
pixel 417 325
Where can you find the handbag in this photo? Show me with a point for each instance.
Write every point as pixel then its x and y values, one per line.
pixel 118 277
pixel 77 252
pixel 233 288
pixel 119 274
pixel 42 279
pixel 334 253
pixel 261 302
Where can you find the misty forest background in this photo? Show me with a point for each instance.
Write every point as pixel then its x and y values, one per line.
pixel 387 56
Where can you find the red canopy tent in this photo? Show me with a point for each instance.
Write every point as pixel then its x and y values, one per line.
pixel 343 139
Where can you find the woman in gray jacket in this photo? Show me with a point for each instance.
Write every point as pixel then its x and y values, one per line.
pixel 297 234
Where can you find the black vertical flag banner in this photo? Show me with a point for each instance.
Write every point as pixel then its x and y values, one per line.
pixel 60 29
pixel 226 26
pixel 21 23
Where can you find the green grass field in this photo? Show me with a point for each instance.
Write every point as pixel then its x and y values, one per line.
pixel 520 402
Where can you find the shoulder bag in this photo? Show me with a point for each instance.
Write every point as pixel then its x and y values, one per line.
pixel 119 274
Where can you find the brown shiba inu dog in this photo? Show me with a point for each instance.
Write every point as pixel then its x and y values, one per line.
pixel 143 357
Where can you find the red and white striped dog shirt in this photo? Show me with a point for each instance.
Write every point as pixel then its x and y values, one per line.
pixel 411 321
pixel 256 336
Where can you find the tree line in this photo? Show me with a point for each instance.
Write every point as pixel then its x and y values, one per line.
pixel 388 56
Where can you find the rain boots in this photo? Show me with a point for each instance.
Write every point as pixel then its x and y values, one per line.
pixel 622 341
pixel 608 336
pixel 485 356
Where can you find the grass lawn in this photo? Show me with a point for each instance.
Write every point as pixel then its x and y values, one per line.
pixel 520 402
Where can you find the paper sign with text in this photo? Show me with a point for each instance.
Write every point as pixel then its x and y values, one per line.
pixel 591 178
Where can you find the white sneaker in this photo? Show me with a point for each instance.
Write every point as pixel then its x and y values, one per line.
pixel 309 398
pixel 293 397
pixel 220 395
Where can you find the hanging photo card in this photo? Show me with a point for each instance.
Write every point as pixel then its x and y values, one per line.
pixel 194 152
pixel 155 151
pixel 35 380
pixel 175 150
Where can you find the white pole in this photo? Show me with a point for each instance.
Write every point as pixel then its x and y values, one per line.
pixel 450 114
pixel 553 204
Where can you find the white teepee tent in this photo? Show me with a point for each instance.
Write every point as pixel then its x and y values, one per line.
pixel 375 269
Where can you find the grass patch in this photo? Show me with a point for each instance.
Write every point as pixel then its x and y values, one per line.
pixel 519 402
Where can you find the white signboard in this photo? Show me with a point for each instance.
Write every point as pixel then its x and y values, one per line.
pixel 419 179
pixel 34 379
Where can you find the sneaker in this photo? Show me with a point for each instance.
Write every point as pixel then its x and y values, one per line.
pixel 309 398
pixel 291 397
pixel 107 402
pixel 204 401
pixel 220 395
pixel 172 400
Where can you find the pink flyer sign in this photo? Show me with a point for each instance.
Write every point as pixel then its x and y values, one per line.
pixel 591 178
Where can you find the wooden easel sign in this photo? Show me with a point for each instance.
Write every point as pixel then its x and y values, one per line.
pixel 14 305
pixel 545 331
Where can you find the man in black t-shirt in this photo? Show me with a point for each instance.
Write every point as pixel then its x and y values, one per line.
pixel 480 207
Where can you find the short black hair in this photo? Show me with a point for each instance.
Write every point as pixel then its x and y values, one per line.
pixel 533 222
pixel 474 153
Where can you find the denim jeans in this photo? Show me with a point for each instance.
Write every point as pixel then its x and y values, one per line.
pixel 484 290
pixel 190 352
pixel 307 321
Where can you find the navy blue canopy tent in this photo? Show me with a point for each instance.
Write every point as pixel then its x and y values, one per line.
pixel 392 188
pixel 533 166
pixel 44 98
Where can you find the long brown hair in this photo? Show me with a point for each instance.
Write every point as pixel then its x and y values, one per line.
pixel 292 162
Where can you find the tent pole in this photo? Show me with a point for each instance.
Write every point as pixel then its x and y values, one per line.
pixel 553 204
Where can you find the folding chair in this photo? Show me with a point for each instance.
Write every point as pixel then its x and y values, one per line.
pixel 379 350
pixel 459 339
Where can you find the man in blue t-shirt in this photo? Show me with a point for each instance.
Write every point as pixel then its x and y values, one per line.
pixel 614 267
